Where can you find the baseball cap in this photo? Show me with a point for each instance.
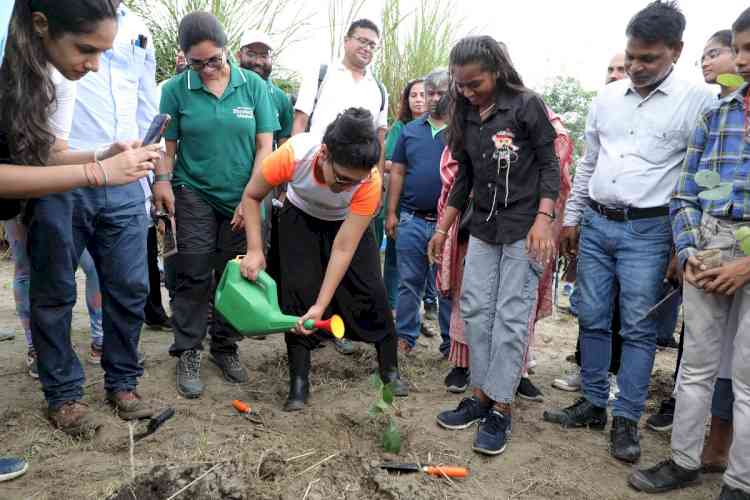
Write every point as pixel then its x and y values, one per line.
pixel 250 37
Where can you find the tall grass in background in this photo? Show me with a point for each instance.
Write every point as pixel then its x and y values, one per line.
pixel 285 21
pixel 414 43
pixel 341 14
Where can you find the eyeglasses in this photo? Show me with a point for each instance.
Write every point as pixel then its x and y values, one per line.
pixel 364 42
pixel 251 54
pixel 712 54
pixel 344 181
pixel 215 62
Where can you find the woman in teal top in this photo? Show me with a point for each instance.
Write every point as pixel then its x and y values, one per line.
pixel 412 105
pixel 222 128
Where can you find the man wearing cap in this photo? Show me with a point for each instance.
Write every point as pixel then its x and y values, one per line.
pixel 256 54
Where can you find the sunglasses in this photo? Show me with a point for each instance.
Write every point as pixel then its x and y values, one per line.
pixel 215 62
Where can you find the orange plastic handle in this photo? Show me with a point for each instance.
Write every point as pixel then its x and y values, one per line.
pixel 442 471
pixel 241 407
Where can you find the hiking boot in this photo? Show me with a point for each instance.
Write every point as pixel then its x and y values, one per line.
pixel 430 311
pixel 231 367
pixel 624 442
pixel 129 405
pixel 11 468
pixel 73 418
pixel 528 391
pixel 493 434
pixel 161 324
pixel 662 420
pixel 581 414
pixel 32 365
pixel 729 493
pixel 188 369
pixel 398 386
pixel 426 330
pixel 344 346
pixel 95 355
pixel 469 411
pixel 457 380
pixel 665 476
pixel 569 383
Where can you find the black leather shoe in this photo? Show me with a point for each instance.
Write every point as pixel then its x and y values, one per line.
pixel 665 476
pixel 581 414
pixel 624 442
pixel 728 493
pixel 299 393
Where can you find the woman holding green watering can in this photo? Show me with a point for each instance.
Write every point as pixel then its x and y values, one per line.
pixel 328 260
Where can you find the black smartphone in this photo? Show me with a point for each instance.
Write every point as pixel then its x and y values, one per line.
pixel 156 130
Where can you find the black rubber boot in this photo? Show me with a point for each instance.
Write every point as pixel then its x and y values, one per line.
pixel 388 366
pixel 299 381
pixel 624 440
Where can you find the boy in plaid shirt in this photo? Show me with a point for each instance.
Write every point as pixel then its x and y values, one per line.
pixel 716 299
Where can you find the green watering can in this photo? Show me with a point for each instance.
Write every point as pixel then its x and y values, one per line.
pixel 252 308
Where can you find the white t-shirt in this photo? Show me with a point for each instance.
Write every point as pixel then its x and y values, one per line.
pixel 61 119
pixel 338 92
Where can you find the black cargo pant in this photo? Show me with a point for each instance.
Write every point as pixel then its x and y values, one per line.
pixel 205 243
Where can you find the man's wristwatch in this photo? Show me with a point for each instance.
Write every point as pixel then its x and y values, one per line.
pixel 163 178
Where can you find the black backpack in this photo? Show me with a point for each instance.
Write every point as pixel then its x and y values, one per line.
pixel 321 77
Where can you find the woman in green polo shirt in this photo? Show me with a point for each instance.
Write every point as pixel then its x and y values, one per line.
pixel 222 127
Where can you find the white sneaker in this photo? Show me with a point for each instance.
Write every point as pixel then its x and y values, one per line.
pixel 614 389
pixel 570 383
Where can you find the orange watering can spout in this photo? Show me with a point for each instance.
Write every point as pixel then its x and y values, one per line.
pixel 333 325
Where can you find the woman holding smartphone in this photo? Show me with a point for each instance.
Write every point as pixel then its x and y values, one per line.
pixel 45 52
pixel 221 130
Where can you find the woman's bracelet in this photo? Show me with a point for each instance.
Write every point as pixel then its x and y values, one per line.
pixel 551 216
pixel 104 172
pixel 440 231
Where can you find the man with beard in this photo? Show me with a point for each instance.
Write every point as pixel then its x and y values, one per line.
pixel 256 54
pixel 637 133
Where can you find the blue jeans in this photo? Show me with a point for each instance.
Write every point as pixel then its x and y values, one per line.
pixel 390 272
pixel 412 237
pixel 635 254
pixel 112 224
pixel 500 288
pixel 16 232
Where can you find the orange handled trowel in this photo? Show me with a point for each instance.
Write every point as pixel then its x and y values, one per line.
pixel 430 470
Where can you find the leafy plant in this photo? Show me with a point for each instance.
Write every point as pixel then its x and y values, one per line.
pixel 571 101
pixel 716 190
pixel 383 407
pixel 413 44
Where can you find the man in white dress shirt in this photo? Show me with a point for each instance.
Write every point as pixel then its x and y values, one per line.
pixel 636 138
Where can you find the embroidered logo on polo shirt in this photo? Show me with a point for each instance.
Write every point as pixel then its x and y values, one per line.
pixel 244 112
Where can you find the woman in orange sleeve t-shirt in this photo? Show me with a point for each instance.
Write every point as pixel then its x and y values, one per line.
pixel 327 256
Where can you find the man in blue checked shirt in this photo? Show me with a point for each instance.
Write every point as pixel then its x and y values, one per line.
pixel 716 296
pixel 115 103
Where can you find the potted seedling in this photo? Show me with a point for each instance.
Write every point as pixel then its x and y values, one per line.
pixel 383 407
pixel 715 190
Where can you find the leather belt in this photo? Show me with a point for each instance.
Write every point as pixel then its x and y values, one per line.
pixel 424 214
pixel 628 213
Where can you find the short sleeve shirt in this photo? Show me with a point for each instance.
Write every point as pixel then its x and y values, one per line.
pixel 216 136
pixel 339 91
pixel 419 149
pixel 284 112
pixel 295 163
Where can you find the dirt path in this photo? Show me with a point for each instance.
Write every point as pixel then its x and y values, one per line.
pixel 278 460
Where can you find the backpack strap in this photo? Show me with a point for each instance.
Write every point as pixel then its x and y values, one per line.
pixel 322 71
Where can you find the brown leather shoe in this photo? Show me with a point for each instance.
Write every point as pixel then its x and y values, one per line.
pixel 74 419
pixel 129 406
pixel 404 347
